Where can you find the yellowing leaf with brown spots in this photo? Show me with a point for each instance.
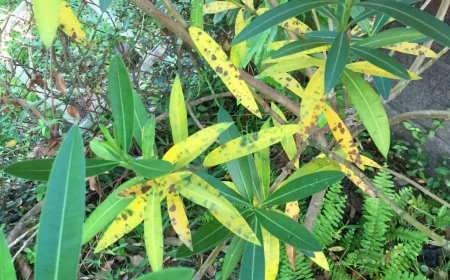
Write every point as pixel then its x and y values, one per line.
pixel 370 69
pixel 297 55
pixel 201 193
pixel 237 53
pixel 278 44
pixel 288 143
pixel 358 31
pixel 178 218
pixel 218 6
pixel 69 23
pixel 184 152
pixel 271 254
pixel 412 48
pixel 226 70
pixel 310 108
pixel 293 211
pixel 368 162
pixel 249 144
pixel 291 24
pixel 126 221
pixel 289 82
pixel 292 65
pixel 249 3
pixel 320 259
pixel 342 135
pixel 356 180
pixel 163 183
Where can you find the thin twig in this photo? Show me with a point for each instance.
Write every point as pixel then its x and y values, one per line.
pixel 24 245
pixel 201 271
pixel 12 244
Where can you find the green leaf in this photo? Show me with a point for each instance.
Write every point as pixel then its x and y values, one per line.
pixel 262 163
pixel 113 144
pixel 278 15
pixel 363 22
pixel 39 169
pixel 153 230
pixel 414 18
pixel 197 13
pixel 120 96
pixel 178 273
pixel 61 222
pixel 287 230
pixel 369 108
pixel 327 36
pixel 303 186
pixel 242 170
pixel 336 60
pixel 361 17
pixel 148 138
pixel 298 46
pixel 150 168
pixel 380 21
pixel 389 37
pixel 328 12
pixel 177 113
pixel 382 60
pixel 104 4
pixel 232 257
pixel 108 210
pixel 140 118
pixel 253 263
pixel 384 86
pixel 228 193
pixel 46 13
pixel 7 271
pixel 104 150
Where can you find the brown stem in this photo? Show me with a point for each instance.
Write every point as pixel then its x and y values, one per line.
pixel 201 271
pixel 174 12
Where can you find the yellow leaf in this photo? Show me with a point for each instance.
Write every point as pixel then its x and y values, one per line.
pixel 126 221
pixel 177 113
pixel 278 44
pixel 218 6
pixel 69 23
pixel 153 231
pixel 271 254
pixel 200 192
pixel 292 65
pixel 226 70
pixel 291 24
pixel 320 259
pixel 310 108
pixel 163 183
pixel 370 69
pixel 342 135
pixel 178 218
pixel 367 161
pixel 357 180
pixel 288 143
pixel 11 144
pixel 297 55
pixel 249 144
pixel 46 13
pixel 237 53
pixel 292 210
pixel 231 185
pixel 184 152
pixel 249 3
pixel 289 82
pixel 234 57
pixel 412 48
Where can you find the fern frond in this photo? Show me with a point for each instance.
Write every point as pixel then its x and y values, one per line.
pixel 302 269
pixel 403 196
pixel 404 276
pixel 383 181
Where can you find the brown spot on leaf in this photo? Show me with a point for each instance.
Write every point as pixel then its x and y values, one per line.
pixel 219 69
pixel 172 208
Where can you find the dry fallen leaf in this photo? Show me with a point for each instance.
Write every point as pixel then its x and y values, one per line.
pixel 94 186
pixel 11 144
pixel 59 81
pixel 73 112
pixel 46 150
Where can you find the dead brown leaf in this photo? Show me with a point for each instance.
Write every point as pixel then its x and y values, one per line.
pixel 46 150
pixel 59 81
pixel 37 79
pixel 72 110
pixel 94 185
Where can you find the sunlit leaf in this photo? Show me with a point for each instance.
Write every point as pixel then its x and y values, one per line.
pixel 153 231
pixel 178 218
pixel 69 23
pixel 177 113
pixel 46 13
pixel 7 271
pixel 336 60
pixel 370 69
pixel 218 6
pixel 249 144
pixel 184 152
pixel 369 109
pixel 227 72
pixel 271 254
pixel 288 143
pixel 320 259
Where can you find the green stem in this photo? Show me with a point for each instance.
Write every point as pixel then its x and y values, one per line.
pixel 346 16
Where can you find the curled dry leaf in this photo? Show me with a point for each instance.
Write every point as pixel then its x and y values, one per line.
pixel 46 150
pixel 59 81
pixel 72 110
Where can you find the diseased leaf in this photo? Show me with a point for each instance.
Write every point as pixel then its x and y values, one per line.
pixel 292 211
pixel 271 254
pixel 342 134
pixel 150 168
pixel 107 210
pixel 277 15
pixel 413 17
pixel 253 258
pixel 177 113
pixel 140 118
pixel 289 82
pixel 197 13
pixel 336 60
pixel 184 152
pixel 7 271
pixel 39 169
pixel 288 143
pixel 148 138
pixel 178 218
pixel 291 24
pixel 231 194
pixel 232 256
pixel 153 231
pixel 370 69
pixel 262 163
pixel 218 6
pixel 369 109
pixel 287 230
pixel 249 3
pixel 302 187
pixel 413 49
pixel 249 144
pixel 61 222
pixel 227 72
pixel 320 259
pixel 291 65
pixel 120 96
pixel 382 60
pixel 61 87
pixel 384 86
pixel 179 273
pixel 46 13
pixel 69 23
pixel 357 180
